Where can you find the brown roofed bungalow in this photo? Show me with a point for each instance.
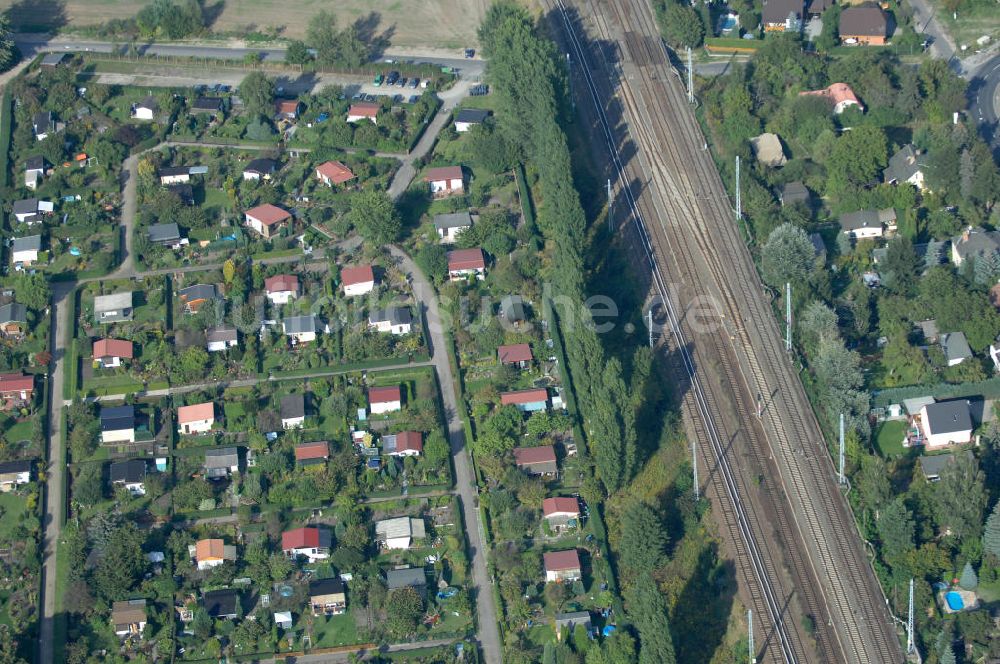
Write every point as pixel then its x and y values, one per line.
pixel 536 460
pixel 866 24
pixel 519 354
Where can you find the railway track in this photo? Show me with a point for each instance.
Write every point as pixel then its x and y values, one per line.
pixel 685 229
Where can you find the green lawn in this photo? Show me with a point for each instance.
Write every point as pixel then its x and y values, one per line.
pixel 889 438
pixel 18 432
pixel 335 631
pixel 12 506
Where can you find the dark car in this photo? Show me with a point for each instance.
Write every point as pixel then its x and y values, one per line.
pixel 470 52
pixel 392 78
pixel 402 82
pixel 414 82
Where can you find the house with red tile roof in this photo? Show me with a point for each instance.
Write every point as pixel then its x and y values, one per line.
pixel 562 566
pixel 288 109
pixel 384 399
pixel 195 419
pixel 404 443
pixel 109 353
pixel 333 172
pixel 363 110
pixel 209 553
pixel 840 95
pixel 559 511
pixel 516 354
pixel 281 288
pixel 526 400
pixel 357 280
pixel 16 388
pixel 539 460
pixel 311 454
pixel 464 263
pixel 446 181
pixel 311 542
pixel 267 219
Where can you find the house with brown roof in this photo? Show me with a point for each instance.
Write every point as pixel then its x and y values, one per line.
pixel 384 399
pixel 312 454
pixel 840 96
pixel 16 388
pixel 357 280
pixel 446 180
pixel 129 617
pixel 363 110
pixel 267 219
pixel 281 288
pixel 464 263
pixel 288 109
pixel 539 460
pixel 333 172
pixel 559 511
pixel 782 15
pixel 403 444
pixel 527 401
pixel 109 353
pixel 311 542
pixel 517 354
pixel 866 24
pixel 209 553
pixel 562 566
pixel 195 419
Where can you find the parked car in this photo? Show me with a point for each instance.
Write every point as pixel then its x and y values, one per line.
pixel 413 99
pixel 470 52
pixel 392 78
pixel 402 82
pixel 414 82
pixel 378 80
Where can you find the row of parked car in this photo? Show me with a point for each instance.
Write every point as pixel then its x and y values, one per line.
pixel 393 78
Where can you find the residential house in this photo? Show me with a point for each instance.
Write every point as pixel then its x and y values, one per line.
pixel 450 226
pixel 16 389
pixel 397 320
pixel 363 110
pixel 130 475
pixel 357 280
pixel 221 338
pixel 559 512
pixel 946 423
pixel 267 219
pixel 42 125
pixel 384 399
pixel 223 604
pixel 113 308
pixel 109 353
pixel 195 297
pixel 403 444
pixel 527 401
pixel 195 419
pixel 932 466
pixel 539 460
pixel 300 329
pixel 463 263
pixel 14 474
pixel 221 462
pixel 312 454
pixel 840 96
pixel 283 619
pixel 905 166
pixel 562 566
pixel 512 311
pixel 260 169
pixel 129 617
pixel 24 250
pixel 327 597
pixel 782 15
pixel 768 150
pixel 145 109
pixel 517 354
pixel 400 533
pixel 794 192
pixel 167 235
pixel 867 224
pixel 865 24
pixel 816 8
pixel 118 424
pixel 209 553
pixel 446 180
pixel 955 347
pixel 407 577
pixel 30 210
pixel 281 288
pixel 13 319
pixel 466 118
pixel 334 172
pixel 34 171
pixel 287 109
pixel 292 409
pixel 174 174
pixel 567 622
pixel 206 105
pixel 311 542
pixel 53 59
pixel 976 244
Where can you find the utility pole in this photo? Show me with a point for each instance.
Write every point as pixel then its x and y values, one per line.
pixel 753 657
pixel 611 223
pixel 909 623
pixel 694 469
pixel 690 78
pixel 739 201
pixel 840 458
pixel 649 324
pixel 788 316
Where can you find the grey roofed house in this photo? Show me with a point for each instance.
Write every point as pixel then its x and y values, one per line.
pixel 30 243
pixel 221 334
pixel 395 316
pixel 332 586
pixel 42 122
pixel 164 233
pixel 975 244
pixel 571 620
pixel 206 104
pixel 929 329
pixel 53 59
pixel 15 467
pixel 299 324
pixel 199 292
pixel 794 192
pixel 292 406
pixel 130 471
pixel 471 115
pixel 866 19
pixel 113 308
pixel 412 577
pixel 512 308
pixel 170 171
pixel 949 416
pixel 221 603
pixel 150 103
pixel 117 418
pixel 903 165
pixel 25 206
pixel 36 163
pixel 778 11
pixel 221 459
pixel 932 466
pixel 400 527
pixel 15 312
pixel 443 222
pixel 853 221
pixel 261 166
pixel 955 346
pixel 913 405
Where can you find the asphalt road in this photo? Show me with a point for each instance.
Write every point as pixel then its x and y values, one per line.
pixel 984 104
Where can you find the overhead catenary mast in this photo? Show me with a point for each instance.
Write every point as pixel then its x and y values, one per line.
pixel 753 656
pixel 909 623
pixel 788 316
pixel 840 456
pixel 739 201
pixel 690 78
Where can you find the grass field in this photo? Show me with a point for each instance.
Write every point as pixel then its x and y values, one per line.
pixel 975 21
pixel 407 24
pixel 889 438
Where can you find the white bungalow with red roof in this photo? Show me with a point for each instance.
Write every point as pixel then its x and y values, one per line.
pixel 281 288
pixel 840 95
pixel 267 219
pixel 357 280
pixel 363 110
pixel 517 354
pixel 562 566
pixel 464 263
pixel 527 401
pixel 446 180
pixel 16 388
pixel 333 172
pixel 559 511
pixel 310 542
pixel 195 419
pixel 384 399
pixel 109 353
pixel 403 444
